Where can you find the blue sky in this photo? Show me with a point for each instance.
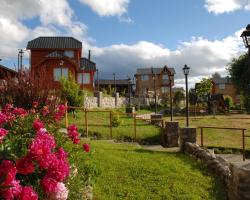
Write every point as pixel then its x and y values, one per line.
pixel 128 34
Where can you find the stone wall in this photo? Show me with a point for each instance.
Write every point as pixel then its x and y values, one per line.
pixel 218 166
pixel 105 102
pixel 236 176
pixel 239 185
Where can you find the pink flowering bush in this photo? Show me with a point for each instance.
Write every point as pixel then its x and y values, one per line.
pixel 36 160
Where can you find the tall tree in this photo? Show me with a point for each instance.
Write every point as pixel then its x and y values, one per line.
pixel 204 88
pixel 178 97
pixel 239 70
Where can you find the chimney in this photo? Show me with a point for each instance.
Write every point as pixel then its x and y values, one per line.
pixel 89 54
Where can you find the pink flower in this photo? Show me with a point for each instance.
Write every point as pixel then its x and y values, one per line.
pixel 73 134
pixel 3 118
pixel 42 145
pixel 37 124
pixel 9 170
pixel 13 191
pixel 3 133
pixel 48 184
pixel 45 111
pixel 25 165
pixel 86 147
pixel 20 112
pixel 7 108
pixel 28 194
pixel 35 104
pixel 60 193
pixel 59 113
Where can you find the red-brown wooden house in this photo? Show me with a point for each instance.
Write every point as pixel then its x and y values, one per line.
pixel 54 57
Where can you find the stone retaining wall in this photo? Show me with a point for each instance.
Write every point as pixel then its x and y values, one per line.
pixel 218 166
pixel 239 185
pixel 236 176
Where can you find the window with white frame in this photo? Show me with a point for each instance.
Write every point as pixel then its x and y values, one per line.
pixel 222 86
pixel 144 77
pixel 164 77
pixel 164 90
pixel 83 78
pixel 69 53
pixel 60 72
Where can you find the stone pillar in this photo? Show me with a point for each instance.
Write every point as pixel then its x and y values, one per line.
pixel 116 99
pixel 170 134
pixel 187 135
pixel 99 99
pixel 155 119
pixel 239 185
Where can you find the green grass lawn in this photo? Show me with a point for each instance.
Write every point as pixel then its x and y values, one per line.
pixel 130 172
pixel 220 138
pixel 98 125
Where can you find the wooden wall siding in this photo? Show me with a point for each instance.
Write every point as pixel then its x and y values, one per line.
pixel 229 90
pixel 140 84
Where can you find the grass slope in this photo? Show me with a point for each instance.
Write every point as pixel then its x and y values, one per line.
pixel 130 172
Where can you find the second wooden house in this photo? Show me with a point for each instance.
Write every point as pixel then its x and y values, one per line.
pixel 54 57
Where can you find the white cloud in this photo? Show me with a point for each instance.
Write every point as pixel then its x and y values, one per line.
pixel 56 18
pixel 226 6
pixel 107 7
pixel 204 57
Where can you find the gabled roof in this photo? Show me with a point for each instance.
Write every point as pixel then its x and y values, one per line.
pixel 87 65
pixel 54 43
pixel 224 80
pixel 145 71
pixel 8 69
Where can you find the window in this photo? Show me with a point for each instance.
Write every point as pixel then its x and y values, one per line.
pixel 164 90
pixel 144 77
pixel 83 78
pixel 61 72
pixel 164 77
pixel 222 86
pixel 69 54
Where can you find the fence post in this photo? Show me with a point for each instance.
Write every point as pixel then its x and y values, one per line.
pixel 66 115
pixel 243 144
pixel 110 124
pixel 201 136
pixel 86 122
pixel 135 127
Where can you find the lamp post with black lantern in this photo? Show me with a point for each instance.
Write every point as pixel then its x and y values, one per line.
pixel 186 72
pixel 171 79
pixel 246 38
pixel 155 96
pixel 129 90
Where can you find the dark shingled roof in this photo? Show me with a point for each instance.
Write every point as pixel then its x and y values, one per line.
pixel 155 70
pixel 54 43
pixel 87 65
pixel 8 69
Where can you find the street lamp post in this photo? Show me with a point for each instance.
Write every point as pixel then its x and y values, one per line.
pixel 129 90
pixel 171 78
pixel 186 72
pixel 154 79
pixel 246 38
pixel 114 83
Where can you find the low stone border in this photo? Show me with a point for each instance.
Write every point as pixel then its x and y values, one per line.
pixel 218 166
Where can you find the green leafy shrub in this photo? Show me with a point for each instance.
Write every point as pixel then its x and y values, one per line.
pixel 71 92
pixel 229 102
pixel 116 121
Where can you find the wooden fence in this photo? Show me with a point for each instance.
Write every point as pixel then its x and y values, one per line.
pixel 227 128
